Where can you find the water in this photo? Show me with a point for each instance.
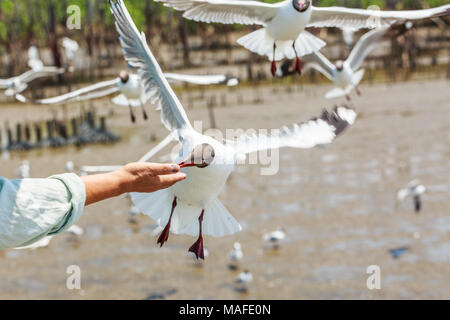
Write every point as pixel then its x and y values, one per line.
pixel 337 205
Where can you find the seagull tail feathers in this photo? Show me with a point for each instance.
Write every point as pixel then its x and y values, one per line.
pixel 217 221
pixel 261 42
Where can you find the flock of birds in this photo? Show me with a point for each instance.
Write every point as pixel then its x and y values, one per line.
pixel 192 206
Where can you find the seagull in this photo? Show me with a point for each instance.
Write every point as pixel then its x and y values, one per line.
pixel 415 190
pixel 243 280
pixel 34 61
pixel 346 75
pixel 23 172
pixel 274 238
pixel 70 47
pixel 283 23
pixel 69 166
pixel 131 90
pixel 191 206
pixel 235 256
pixel 348 35
pixel 18 84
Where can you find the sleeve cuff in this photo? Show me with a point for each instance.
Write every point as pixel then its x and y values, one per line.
pixel 76 196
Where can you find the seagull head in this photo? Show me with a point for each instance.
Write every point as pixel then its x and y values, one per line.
pixel 301 5
pixel 339 65
pixel 124 76
pixel 201 156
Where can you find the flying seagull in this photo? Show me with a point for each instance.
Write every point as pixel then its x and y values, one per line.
pixel 131 90
pixel 17 84
pixel 283 33
pixel 191 206
pixel 346 75
pixel 415 190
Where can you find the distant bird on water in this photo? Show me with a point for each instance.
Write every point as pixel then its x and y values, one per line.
pixel 274 238
pixel 415 190
pixel 235 256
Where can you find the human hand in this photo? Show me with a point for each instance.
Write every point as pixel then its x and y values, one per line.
pixel 149 177
pixel 133 177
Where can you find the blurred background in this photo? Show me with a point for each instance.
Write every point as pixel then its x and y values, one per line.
pixel 336 206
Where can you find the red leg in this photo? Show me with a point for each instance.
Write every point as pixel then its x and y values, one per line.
pixel 273 68
pixel 347 97
pixel 298 63
pixel 357 91
pixel 144 114
pixel 133 118
pixel 197 247
pixel 165 233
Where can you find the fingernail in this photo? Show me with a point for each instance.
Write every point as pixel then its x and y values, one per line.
pixel 184 175
pixel 175 168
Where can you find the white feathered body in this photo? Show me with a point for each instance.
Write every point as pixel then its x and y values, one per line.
pixel 132 89
pixel 203 184
pixel 343 78
pixel 287 26
pixel 288 23
pixel 197 192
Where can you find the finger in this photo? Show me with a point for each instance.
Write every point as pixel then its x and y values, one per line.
pixel 164 168
pixel 169 179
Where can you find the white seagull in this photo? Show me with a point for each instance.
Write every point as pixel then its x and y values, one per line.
pixel 243 280
pixel 274 238
pixel 17 84
pixel 283 34
pixel 206 161
pixel 23 172
pixel 132 93
pixel 346 75
pixel 415 190
pixel 235 256
pixel 70 47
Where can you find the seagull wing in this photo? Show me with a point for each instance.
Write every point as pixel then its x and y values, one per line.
pixel 5 83
pixel 363 47
pixel 225 11
pixel 94 91
pixel 361 18
pixel 31 75
pixel 305 135
pixel 318 61
pixel 197 79
pixel 138 55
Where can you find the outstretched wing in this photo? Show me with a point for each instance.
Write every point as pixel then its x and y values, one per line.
pixel 94 91
pixel 370 40
pixel 201 79
pixel 31 75
pixel 318 61
pixel 361 18
pixel 225 11
pixel 5 83
pixel 138 55
pixel 305 135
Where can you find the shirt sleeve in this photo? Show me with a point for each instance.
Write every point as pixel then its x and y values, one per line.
pixel 30 209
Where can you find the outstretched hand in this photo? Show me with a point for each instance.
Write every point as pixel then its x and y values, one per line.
pixel 133 177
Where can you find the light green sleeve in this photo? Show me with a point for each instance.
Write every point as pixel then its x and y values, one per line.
pixel 30 209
